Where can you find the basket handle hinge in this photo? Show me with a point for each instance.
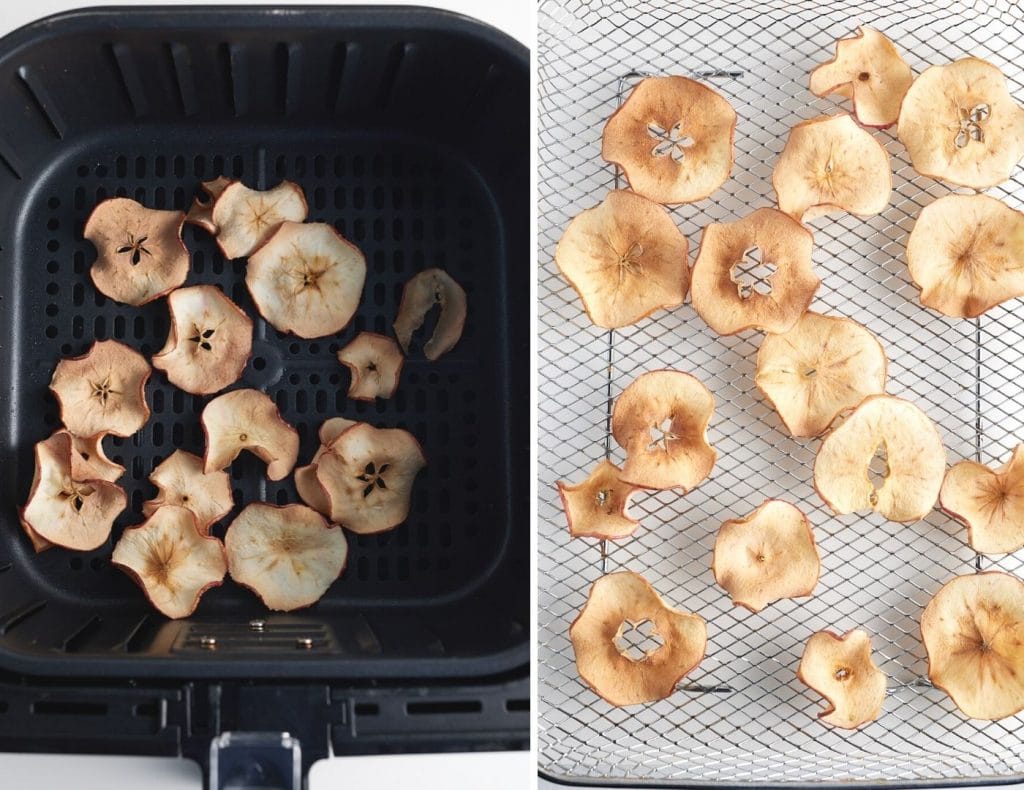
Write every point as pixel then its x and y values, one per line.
pixel 254 760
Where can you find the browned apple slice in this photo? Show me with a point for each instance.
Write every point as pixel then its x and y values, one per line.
pixel 306 482
pixel 626 599
pixel 245 218
pixel 375 362
pixel 840 668
pixel 424 291
pixel 181 481
pixel 989 501
pixel 247 419
pixel 596 507
pixel 201 212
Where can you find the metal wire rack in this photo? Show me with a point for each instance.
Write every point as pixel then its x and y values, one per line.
pixel 742 717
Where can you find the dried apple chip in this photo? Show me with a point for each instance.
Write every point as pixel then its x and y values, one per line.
pixel 140 254
pixel 424 291
pixel 626 258
pixel 766 239
pixel 626 599
pixel 289 556
pixel 201 212
pixel 209 341
pixel 306 483
pixel 368 475
pixel 840 668
pixel 830 164
pixel 766 556
pixel 960 124
pixel 900 435
pixel 819 369
pixel 103 391
pixel 247 419
pixel 973 631
pixel 245 218
pixel 596 507
pixel 661 421
pixel 181 481
pixel 307 279
pixel 90 462
pixel 989 501
pixel 375 362
pixel 65 510
pixel 673 138
pixel 869 70
pixel 170 560
pixel 965 253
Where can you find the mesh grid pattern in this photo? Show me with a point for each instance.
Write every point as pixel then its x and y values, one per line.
pixel 742 716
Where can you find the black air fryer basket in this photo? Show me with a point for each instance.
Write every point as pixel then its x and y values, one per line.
pixel 408 129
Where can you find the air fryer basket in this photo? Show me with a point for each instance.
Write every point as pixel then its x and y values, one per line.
pixel 742 717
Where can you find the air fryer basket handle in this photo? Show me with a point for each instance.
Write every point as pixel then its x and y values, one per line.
pixel 256 760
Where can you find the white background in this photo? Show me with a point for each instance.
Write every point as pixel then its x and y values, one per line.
pixel 500 771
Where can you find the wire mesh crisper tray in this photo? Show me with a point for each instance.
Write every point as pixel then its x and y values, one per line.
pixel 742 716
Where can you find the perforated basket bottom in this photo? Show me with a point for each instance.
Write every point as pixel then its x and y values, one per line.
pixel 408 207
pixel 742 716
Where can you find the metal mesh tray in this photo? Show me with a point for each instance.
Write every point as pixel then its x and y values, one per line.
pixel 742 716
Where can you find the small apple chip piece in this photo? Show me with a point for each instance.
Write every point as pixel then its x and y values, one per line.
pixel 307 279
pixel 887 432
pixel 306 482
pixel 289 556
pixel 661 421
pixel 103 391
pixel 247 419
pixel 829 165
pixel 209 341
pixel 673 137
pixel 245 218
pixel 766 240
pixel 201 212
pixel 181 481
pixel 65 510
pixel 840 668
pixel 766 556
pixel 89 461
pixel 973 631
pixel 596 507
pixel 965 253
pixel 170 560
pixel 626 600
pixel 626 258
pixel 960 124
pixel 989 501
pixel 819 369
pixel 375 362
pixel 869 70
pixel 422 292
pixel 140 254
pixel 368 474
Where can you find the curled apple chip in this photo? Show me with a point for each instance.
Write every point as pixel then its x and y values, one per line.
pixel 65 510
pixel 424 291
pixel 766 240
pixel 368 475
pixel 766 556
pixel 820 368
pixel 869 70
pixel 102 391
pixel 965 253
pixel 673 138
pixel 288 556
pixel 596 507
pixel 960 124
pixel 626 600
pixel 306 483
pixel 209 341
pixel 170 560
pixel 829 165
pixel 307 279
pixel 247 419
pixel 244 219
pixel 661 421
pixel 375 362
pixel 840 668
pixel 140 254
pixel 181 481
pixel 201 212
pixel 886 432
pixel 989 501
pixel 626 258
pixel 973 631
pixel 90 462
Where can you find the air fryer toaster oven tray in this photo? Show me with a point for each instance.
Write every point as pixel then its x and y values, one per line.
pixel 742 717
pixel 408 131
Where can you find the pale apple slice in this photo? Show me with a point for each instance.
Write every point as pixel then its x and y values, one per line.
pixel 424 291
pixel 596 507
pixel 375 362
pixel 306 482
pixel 201 212
pixel 244 219
pixel 840 668
pixel 989 501
pixel 90 462
pixel 247 419
pixel 181 481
